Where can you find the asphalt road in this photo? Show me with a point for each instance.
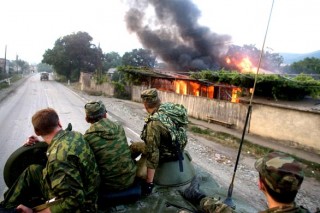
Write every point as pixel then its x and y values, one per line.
pixel 31 95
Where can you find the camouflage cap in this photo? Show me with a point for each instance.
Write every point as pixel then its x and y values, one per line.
pixel 149 95
pixel 280 172
pixel 95 109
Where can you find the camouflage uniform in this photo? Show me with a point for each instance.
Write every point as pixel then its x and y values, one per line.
pixel 159 145
pixel 71 173
pixel 211 205
pixel 287 209
pixel 109 144
pixel 281 173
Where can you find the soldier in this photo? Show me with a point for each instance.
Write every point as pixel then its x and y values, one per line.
pixel 109 144
pixel 280 177
pixel 157 135
pixel 70 176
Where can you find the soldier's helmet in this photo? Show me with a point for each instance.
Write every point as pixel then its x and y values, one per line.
pixel 281 172
pixel 149 95
pixel 95 109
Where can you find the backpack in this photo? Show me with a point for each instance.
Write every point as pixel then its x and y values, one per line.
pixel 175 118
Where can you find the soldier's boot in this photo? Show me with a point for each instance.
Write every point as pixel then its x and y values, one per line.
pixel 193 193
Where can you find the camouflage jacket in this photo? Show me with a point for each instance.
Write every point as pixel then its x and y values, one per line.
pixel 71 173
pixel 212 205
pixel 159 146
pixel 109 144
pixel 288 209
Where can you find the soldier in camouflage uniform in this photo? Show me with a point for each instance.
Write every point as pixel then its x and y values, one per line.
pixel 280 177
pixel 158 140
pixel 71 174
pixel 109 144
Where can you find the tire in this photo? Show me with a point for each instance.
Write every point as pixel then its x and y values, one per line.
pixel 20 159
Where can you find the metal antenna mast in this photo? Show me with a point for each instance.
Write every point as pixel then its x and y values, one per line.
pixel 228 200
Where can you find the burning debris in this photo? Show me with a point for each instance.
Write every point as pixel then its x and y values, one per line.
pixel 174 35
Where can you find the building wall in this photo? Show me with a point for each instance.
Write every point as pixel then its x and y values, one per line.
pixel 294 126
pixel 286 125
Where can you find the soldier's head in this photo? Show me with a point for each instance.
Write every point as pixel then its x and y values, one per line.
pixel 280 176
pixel 45 121
pixel 95 111
pixel 150 98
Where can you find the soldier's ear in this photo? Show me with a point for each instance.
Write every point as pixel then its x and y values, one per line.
pixel 59 124
pixel 261 185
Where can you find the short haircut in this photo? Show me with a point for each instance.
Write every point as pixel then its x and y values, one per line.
pixel 94 119
pixel 283 197
pixel 45 121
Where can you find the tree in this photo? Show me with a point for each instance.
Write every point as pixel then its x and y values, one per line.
pixel 307 66
pixel 139 58
pixel 112 59
pixel 72 54
pixel 41 67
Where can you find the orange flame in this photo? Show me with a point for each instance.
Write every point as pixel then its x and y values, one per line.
pixel 244 64
pixel 235 94
pixel 181 87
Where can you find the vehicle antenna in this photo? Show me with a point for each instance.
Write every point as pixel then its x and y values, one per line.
pixel 228 200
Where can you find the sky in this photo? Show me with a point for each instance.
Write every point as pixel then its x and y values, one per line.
pixel 29 28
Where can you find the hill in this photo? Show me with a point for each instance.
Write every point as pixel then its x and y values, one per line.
pixel 289 58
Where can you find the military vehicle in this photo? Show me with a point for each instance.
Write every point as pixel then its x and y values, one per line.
pixel 44 76
pixel 166 197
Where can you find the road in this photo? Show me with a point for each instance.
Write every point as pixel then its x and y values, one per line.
pixel 16 112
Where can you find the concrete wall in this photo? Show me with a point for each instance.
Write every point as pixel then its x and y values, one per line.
pixel 286 125
pixel 88 84
pixel 292 125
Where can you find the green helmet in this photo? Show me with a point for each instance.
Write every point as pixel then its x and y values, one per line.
pixel 280 172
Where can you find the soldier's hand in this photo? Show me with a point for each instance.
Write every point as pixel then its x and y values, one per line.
pixel 31 141
pixel 23 209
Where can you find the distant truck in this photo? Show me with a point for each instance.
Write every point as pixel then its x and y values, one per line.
pixel 44 76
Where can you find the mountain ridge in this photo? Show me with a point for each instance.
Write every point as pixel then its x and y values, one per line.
pixel 289 58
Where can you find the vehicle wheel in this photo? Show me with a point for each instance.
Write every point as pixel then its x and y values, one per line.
pixel 20 159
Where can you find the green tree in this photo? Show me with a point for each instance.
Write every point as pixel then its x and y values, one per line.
pixel 139 58
pixel 72 54
pixel 42 67
pixel 307 66
pixel 111 59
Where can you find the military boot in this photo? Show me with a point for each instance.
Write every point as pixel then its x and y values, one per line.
pixel 193 193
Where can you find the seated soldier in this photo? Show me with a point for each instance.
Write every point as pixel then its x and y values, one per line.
pixel 109 144
pixel 280 177
pixel 164 134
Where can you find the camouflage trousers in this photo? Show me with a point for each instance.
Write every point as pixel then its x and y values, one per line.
pixel 211 205
pixel 29 189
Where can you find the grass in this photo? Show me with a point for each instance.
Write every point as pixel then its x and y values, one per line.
pixel 311 169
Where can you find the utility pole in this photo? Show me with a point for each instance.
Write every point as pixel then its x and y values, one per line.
pixel 5 59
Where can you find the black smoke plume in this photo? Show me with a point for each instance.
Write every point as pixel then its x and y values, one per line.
pixel 174 34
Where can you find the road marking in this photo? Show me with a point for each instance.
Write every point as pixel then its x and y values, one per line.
pixel 133 131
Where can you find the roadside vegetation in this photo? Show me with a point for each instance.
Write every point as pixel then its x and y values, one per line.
pixel 311 169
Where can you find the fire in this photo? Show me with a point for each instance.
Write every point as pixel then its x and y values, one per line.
pixel 244 64
pixel 228 60
pixel 235 94
pixel 181 87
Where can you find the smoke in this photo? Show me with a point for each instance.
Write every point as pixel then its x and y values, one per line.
pixel 173 33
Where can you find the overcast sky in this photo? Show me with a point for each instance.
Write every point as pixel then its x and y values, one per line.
pixel 30 27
